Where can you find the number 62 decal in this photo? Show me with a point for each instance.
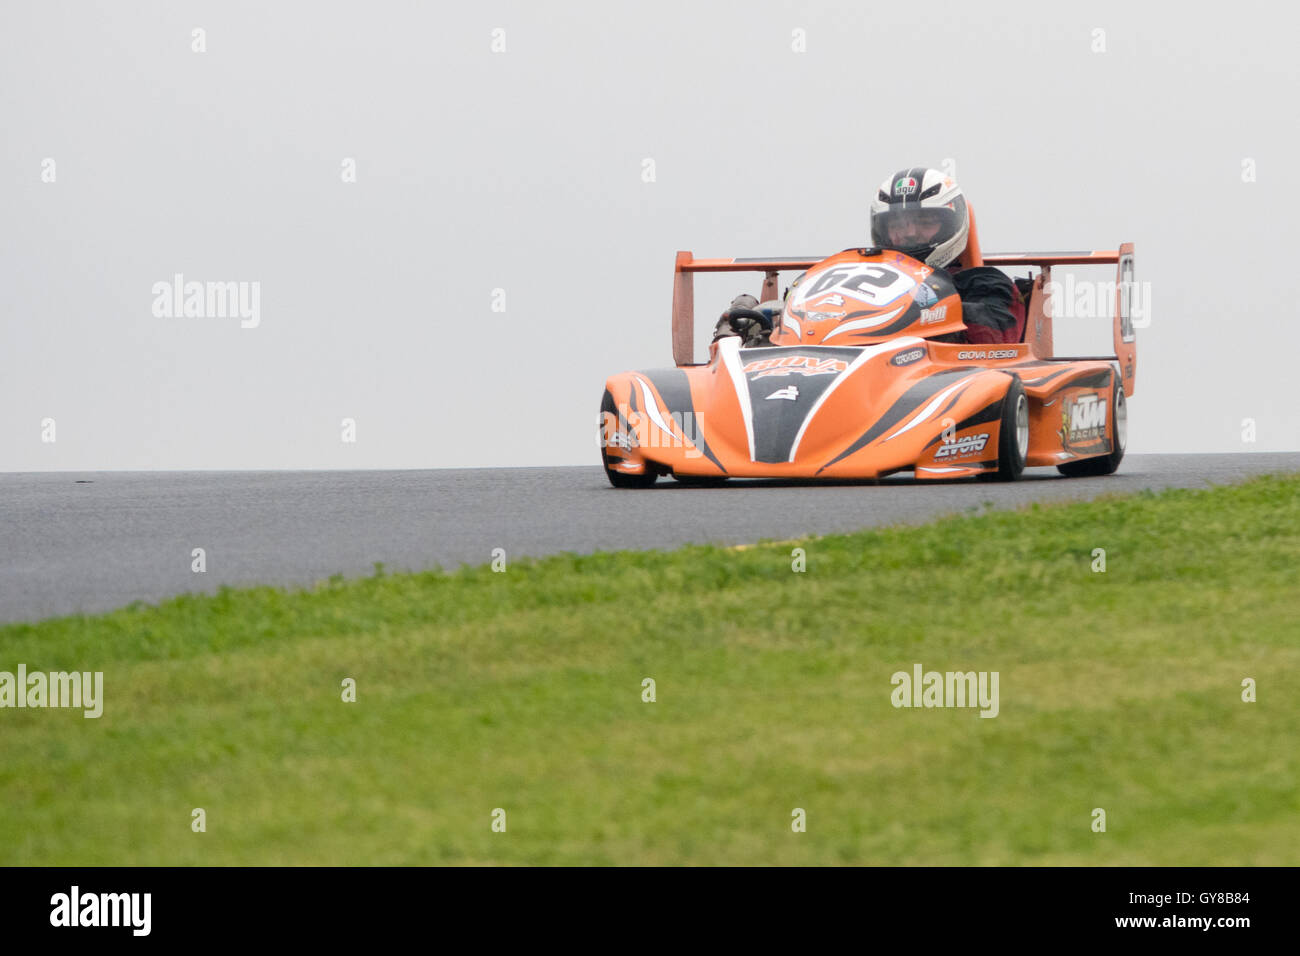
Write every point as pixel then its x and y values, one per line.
pixel 871 283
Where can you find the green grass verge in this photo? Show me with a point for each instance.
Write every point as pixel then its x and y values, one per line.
pixel 523 690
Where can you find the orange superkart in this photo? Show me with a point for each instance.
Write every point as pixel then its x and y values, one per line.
pixel 852 384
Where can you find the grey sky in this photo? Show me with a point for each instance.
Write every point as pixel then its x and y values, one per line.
pixel 522 170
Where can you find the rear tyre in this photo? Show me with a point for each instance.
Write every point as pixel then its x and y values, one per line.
pixel 1105 464
pixel 1013 435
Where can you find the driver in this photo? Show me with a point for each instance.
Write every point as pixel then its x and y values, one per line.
pixel 921 213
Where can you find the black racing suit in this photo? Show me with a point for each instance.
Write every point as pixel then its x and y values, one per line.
pixel 986 295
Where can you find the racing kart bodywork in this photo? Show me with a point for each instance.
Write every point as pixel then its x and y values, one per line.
pixel 852 384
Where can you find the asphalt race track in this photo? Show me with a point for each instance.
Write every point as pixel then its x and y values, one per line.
pixel 90 542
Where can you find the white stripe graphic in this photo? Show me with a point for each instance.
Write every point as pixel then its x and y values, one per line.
pixel 729 349
pixel 870 322
pixel 866 355
pixel 652 407
pixel 925 413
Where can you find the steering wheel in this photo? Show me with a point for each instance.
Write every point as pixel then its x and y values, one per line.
pixel 762 318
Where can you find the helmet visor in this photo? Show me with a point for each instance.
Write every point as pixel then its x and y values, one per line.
pixel 914 227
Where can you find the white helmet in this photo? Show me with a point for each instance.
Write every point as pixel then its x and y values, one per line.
pixel 921 213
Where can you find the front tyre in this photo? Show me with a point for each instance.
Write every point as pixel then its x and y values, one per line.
pixel 700 481
pixel 1105 464
pixel 611 452
pixel 1013 434
pixel 620 480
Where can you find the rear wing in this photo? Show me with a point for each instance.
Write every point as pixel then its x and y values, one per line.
pixel 1038 327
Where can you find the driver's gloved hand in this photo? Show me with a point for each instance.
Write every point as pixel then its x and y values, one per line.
pixel 741 326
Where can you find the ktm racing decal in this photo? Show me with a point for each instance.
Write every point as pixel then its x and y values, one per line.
pixel 795 365
pixel 1083 421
